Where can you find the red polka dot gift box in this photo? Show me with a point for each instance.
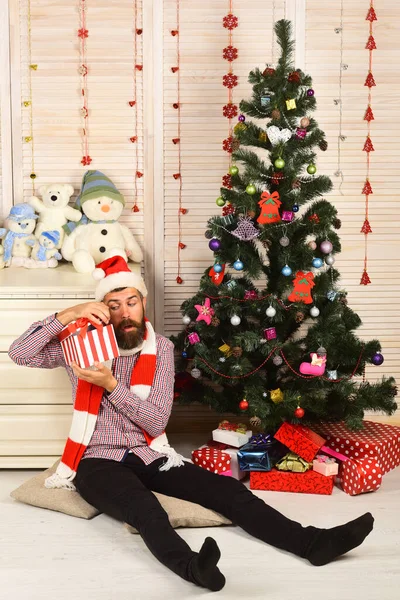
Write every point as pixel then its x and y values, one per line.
pixel 212 460
pixel 309 482
pixel 360 476
pixel 374 440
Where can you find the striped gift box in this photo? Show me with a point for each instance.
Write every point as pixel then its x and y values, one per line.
pixel 86 344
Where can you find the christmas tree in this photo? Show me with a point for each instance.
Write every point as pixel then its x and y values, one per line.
pixel 287 351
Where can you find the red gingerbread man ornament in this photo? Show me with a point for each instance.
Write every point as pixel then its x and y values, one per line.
pixel 302 286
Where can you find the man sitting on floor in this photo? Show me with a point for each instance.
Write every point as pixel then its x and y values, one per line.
pixel 117 452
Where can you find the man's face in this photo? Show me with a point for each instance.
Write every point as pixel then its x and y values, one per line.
pixel 127 316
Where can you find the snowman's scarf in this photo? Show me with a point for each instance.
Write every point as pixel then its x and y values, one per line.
pixel 70 226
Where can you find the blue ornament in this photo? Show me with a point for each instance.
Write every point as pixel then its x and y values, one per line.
pixel 295 208
pixel 238 265
pixel 317 263
pixel 217 268
pixel 184 354
pixel 331 295
pixel 287 271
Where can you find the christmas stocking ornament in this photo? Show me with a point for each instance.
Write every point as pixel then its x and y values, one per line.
pixel 316 367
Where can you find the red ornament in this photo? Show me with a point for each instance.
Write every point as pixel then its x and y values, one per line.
pixel 370 81
pixel 179 280
pixel 176 175
pixel 369 115
pixel 133 139
pixel 269 205
pixel 230 53
pixel 368 147
pixel 86 160
pixel 299 412
pixel 228 209
pixel 276 178
pixel 183 211
pixel 367 189
pixel 243 405
pixel 174 69
pixel 230 81
pixel 217 278
pixel 227 145
pixel 371 45
pixel 268 72
pixel 181 245
pixel 294 77
pixel 135 208
pixel 314 218
pixel 132 103
pixel 174 32
pixel 139 67
pixel 230 110
pixel 302 286
pixel 139 174
pixel 366 228
pixel 175 105
pixel 371 16
pixel 365 280
pixel 175 141
pixel 230 21
pixel 139 31
pixel 83 33
pixel 227 181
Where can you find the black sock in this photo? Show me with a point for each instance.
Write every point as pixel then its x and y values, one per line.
pixel 203 566
pixel 331 543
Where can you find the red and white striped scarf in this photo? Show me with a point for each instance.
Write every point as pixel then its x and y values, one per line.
pixel 86 408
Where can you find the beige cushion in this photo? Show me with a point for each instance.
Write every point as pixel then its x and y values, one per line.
pixel 180 512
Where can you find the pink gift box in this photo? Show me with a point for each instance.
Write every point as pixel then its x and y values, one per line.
pixel 270 333
pixel 287 215
pixel 85 344
pixel 193 338
pixel 325 465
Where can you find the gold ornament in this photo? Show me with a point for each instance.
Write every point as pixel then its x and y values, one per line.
pixel 225 349
pixel 33 67
pixel 263 136
pixel 27 103
pixel 28 138
pixel 239 127
pixel 277 396
pixel 255 422
pixel 291 104
pixel 32 175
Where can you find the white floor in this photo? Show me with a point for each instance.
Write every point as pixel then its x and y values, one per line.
pixel 48 554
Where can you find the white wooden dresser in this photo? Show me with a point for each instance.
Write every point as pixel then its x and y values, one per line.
pixel 35 404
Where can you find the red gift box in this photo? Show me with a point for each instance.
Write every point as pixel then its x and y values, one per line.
pixel 309 482
pixel 375 440
pixel 85 343
pixel 300 440
pixel 212 459
pixel 360 476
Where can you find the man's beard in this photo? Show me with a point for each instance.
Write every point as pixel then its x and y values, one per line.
pixel 127 340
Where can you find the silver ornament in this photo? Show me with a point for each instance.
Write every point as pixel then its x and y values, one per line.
pixel 196 373
pixel 270 312
pixel 186 319
pixel 330 260
pixel 277 360
pixel 321 351
pixel 265 394
pixel 222 359
pixel 331 295
pixel 332 375
pixel 314 312
pixel 236 320
pixel 284 241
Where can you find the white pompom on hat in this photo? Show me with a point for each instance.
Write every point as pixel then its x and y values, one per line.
pixel 114 273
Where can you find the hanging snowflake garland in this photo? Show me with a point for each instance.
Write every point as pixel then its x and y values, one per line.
pixel 230 53
pixel 230 22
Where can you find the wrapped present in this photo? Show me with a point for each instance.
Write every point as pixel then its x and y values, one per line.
pixel 86 343
pixel 212 459
pixel 325 465
pixel 236 473
pixel 234 434
pixel 294 463
pixel 330 452
pixel 261 453
pixel 309 482
pixel 357 476
pixel 375 439
pixel 300 440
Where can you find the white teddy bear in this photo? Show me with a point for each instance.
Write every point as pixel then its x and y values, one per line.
pixel 19 227
pixel 54 211
pixel 99 235
pixel 44 252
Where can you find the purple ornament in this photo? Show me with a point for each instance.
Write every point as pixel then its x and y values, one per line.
pixel 214 244
pixel 287 215
pixel 326 247
pixel 377 359
pixel 310 92
pixel 270 333
pixel 242 118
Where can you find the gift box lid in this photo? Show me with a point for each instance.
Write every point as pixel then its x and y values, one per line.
pixel 301 440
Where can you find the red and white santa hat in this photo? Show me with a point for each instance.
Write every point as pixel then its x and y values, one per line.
pixel 114 273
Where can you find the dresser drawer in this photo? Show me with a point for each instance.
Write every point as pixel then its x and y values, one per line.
pixel 23 385
pixel 18 314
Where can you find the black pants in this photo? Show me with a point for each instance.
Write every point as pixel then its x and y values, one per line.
pixel 122 490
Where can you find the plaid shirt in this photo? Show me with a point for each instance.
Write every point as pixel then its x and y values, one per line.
pixel 122 415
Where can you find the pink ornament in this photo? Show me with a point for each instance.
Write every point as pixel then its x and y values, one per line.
pixel 193 338
pixel 287 215
pixel 205 311
pixel 316 367
pixel 301 133
pixel 250 295
pixel 312 245
pixel 326 247
pixel 270 333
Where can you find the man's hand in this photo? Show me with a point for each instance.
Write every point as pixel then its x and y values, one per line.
pixel 102 377
pixel 97 312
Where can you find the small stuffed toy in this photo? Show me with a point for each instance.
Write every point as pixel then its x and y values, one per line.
pixel 44 251
pixel 19 227
pixel 53 210
pixel 99 235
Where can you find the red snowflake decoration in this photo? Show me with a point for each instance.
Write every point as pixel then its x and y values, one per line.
pixel 314 218
pixel 230 53
pixel 268 71
pixel 229 209
pixel 276 177
pixel 230 81
pixel 227 181
pixel 83 33
pixel 230 21
pixel 227 145
pixel 230 110
pixel 86 160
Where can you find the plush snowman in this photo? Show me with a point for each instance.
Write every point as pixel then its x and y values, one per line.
pixel 54 210
pixel 1 257
pixel 19 227
pixel 99 235
pixel 44 251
